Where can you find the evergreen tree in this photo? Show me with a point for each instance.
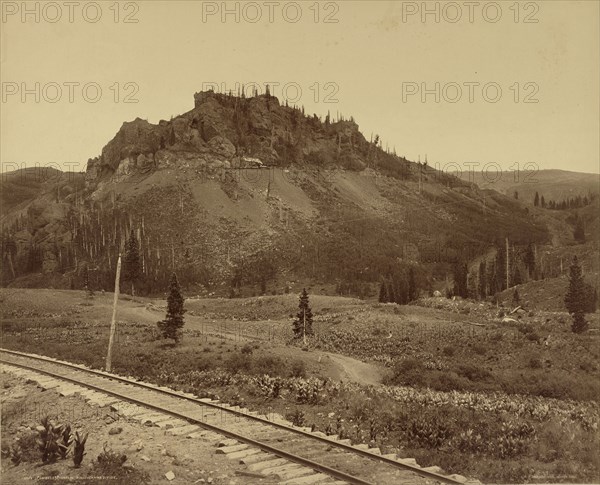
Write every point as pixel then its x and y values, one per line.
pixel 401 290
pixel 472 286
pixel 171 326
pixel 517 277
pixel 529 260
pixel 89 292
pixel 575 298
pixel 536 200
pixel 303 324
pixel 482 280
pixel 382 292
pixel 460 280
pixel 131 262
pixel 516 298
pixel 492 279
pixel 412 286
pixel 188 269
pixel 500 268
pixel 543 202
pixel 391 292
pixel 579 232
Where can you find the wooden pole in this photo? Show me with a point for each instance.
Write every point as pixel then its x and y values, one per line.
pixel 507 267
pixel 114 315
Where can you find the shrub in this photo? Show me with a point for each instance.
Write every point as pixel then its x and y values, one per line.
pixel 473 373
pixel 479 349
pixel 268 364
pixel 297 418
pixel 49 441
pixel 429 431
pixel 298 369
pixel 237 362
pixel 513 440
pixel 66 440
pixel 247 349
pixel 110 465
pixel 79 449
pixel 448 351
pixel 24 449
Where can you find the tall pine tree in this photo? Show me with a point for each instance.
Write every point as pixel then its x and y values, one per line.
pixel 412 286
pixel 460 280
pixel 579 231
pixel 303 324
pixel 382 292
pixel 132 268
pixel 529 260
pixel 575 298
pixel 171 327
pixel 482 280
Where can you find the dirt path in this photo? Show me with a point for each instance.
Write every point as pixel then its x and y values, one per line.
pixel 354 370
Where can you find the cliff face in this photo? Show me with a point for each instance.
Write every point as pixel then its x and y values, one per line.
pixel 321 203
pixel 220 130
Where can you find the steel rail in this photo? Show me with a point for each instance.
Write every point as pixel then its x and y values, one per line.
pixel 250 441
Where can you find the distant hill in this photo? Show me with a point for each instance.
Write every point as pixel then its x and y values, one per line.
pixel 552 184
pixel 246 195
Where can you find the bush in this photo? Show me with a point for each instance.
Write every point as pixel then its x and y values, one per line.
pixel 247 349
pixel 479 349
pixel 429 431
pixel 473 373
pixel 448 351
pixel 110 465
pixel 296 418
pixel 298 369
pixel 237 362
pixel 267 364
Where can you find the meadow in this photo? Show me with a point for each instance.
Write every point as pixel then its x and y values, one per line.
pixel 502 402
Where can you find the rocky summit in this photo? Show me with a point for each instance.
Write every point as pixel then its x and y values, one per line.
pixel 248 195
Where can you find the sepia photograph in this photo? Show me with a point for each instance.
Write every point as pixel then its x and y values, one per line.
pixel 350 242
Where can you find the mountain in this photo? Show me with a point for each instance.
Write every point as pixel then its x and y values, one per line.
pixel 554 185
pixel 248 195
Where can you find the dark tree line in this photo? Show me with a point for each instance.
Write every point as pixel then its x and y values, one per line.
pixel 399 287
pixel 490 277
pixel 565 204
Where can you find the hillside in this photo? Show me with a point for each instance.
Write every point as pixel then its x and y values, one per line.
pixel 246 195
pixel 552 184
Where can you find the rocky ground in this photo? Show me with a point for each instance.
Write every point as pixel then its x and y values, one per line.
pixel 149 450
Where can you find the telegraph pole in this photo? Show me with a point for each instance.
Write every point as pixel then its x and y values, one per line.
pixel 114 315
pixel 507 267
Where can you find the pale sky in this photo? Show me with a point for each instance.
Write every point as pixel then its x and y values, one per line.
pixel 374 56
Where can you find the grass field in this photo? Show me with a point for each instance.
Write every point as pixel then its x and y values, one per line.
pixel 502 402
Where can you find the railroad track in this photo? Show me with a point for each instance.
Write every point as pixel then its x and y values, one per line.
pixel 267 444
